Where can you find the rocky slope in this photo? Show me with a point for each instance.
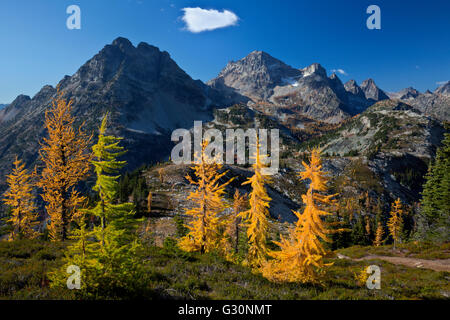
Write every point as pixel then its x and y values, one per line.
pixel 397 140
pixel 147 94
pixel 435 104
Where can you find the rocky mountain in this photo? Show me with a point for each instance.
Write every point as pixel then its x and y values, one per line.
pixel 444 89
pixel 435 104
pixel 147 94
pixel 267 81
pixel 255 76
pixel 2 105
pixel 405 94
pixel 398 141
pixel 372 92
pixel 356 96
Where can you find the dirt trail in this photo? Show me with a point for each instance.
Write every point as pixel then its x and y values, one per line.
pixel 436 265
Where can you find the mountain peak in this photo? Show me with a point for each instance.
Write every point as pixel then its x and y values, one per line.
pixel 122 43
pixel 255 75
pixel 352 87
pixel 315 69
pixel 371 90
pixel 258 53
pixel 444 89
pixel 261 58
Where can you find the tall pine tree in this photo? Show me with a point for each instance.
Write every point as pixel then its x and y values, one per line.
pixel 435 203
pixel 108 255
pixel 110 213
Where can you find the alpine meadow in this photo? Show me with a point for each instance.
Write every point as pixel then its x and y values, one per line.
pixel 94 204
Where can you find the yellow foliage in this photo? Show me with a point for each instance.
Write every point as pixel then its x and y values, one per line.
pixel 149 202
pixel 66 163
pixel 204 229
pixel 379 235
pixel 20 199
pixel 361 277
pixel 161 174
pixel 368 229
pixel 301 256
pixel 395 222
pixel 256 217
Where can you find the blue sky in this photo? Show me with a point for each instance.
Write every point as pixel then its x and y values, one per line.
pixel 411 49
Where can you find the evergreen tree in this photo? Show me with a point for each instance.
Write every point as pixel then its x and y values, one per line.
pixel 109 254
pixel 117 216
pixel 233 226
pixel 435 203
pixel 20 199
pixel 64 154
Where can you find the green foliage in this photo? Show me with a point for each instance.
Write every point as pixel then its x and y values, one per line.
pixel 107 254
pixel 180 225
pixel 132 186
pixel 352 153
pixel 434 219
pixel 342 239
pixel 170 275
pixel 358 233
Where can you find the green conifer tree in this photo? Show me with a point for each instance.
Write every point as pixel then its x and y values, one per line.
pixel 109 262
pixel 435 203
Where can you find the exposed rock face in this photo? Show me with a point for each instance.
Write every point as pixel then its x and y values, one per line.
pixel 435 104
pixel 444 89
pixel 147 94
pixel 10 111
pixel 313 95
pixel 405 94
pixel 356 96
pixel 307 92
pixel 390 133
pixel 256 75
pixel 371 91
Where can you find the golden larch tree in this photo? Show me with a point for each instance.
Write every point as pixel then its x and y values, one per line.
pixel 301 255
pixel 66 163
pixel 367 226
pixel 379 235
pixel 20 199
pixel 255 217
pixel 395 222
pixel 204 228
pixel 149 202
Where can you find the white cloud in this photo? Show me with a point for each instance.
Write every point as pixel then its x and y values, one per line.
pixel 440 83
pixel 198 19
pixel 340 71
